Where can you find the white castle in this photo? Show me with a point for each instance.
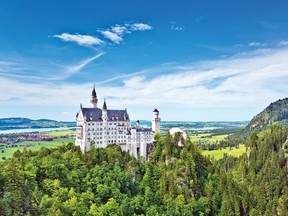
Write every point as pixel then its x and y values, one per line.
pixel 98 128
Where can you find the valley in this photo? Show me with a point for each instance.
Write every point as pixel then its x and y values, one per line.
pixel 200 133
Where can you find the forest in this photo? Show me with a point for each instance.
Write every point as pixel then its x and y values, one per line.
pixel 175 181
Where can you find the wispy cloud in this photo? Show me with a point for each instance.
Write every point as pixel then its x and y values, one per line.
pixel 114 37
pixel 140 27
pixel 31 70
pixel 76 68
pixel 120 30
pixel 233 82
pixel 82 40
pixel 257 44
pixel 117 32
pixel 283 43
pixel 175 27
pixel 239 81
pixel 114 33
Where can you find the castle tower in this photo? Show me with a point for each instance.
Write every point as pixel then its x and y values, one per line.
pixel 93 100
pixel 104 112
pixel 156 121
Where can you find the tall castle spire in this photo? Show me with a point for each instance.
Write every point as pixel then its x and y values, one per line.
pixel 93 100
pixel 104 105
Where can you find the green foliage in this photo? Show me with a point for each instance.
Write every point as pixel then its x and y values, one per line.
pixel 275 114
pixel 176 180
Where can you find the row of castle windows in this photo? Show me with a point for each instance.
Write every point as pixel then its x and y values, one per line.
pixel 99 137
pixel 122 128
pixel 112 141
pixel 119 124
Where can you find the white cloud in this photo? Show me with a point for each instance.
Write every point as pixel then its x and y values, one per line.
pixel 257 44
pixel 114 34
pixel 230 83
pixel 283 43
pixel 119 30
pixel 176 28
pixel 239 82
pixel 82 64
pixel 114 37
pixel 42 70
pixel 140 27
pixel 253 44
pixel 82 40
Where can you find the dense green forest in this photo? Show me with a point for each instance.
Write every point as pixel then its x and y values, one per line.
pixel 175 181
pixel 275 113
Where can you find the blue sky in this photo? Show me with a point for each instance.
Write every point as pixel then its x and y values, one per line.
pixel 194 60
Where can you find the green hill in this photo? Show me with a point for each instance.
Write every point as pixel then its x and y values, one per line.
pixel 275 114
pixel 23 123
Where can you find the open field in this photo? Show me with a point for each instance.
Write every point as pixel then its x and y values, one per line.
pixel 59 133
pixel 34 146
pixel 218 154
pixel 207 137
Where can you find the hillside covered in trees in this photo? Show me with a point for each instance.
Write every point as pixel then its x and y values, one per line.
pixel 275 114
pixel 176 180
pixel 23 123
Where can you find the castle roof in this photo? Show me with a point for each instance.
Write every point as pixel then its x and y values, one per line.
pixel 104 105
pixel 94 92
pixel 142 129
pixel 95 114
pixel 155 110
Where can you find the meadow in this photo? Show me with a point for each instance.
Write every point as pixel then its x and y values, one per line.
pixel 207 137
pixel 59 133
pixel 7 152
pixel 218 154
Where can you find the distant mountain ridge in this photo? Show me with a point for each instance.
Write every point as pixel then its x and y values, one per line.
pixel 275 113
pixel 23 123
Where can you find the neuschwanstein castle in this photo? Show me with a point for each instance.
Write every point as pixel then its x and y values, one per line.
pixel 98 128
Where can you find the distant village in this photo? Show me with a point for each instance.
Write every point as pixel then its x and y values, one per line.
pixel 14 138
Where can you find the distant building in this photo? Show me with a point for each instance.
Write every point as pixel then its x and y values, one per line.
pixel 98 128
